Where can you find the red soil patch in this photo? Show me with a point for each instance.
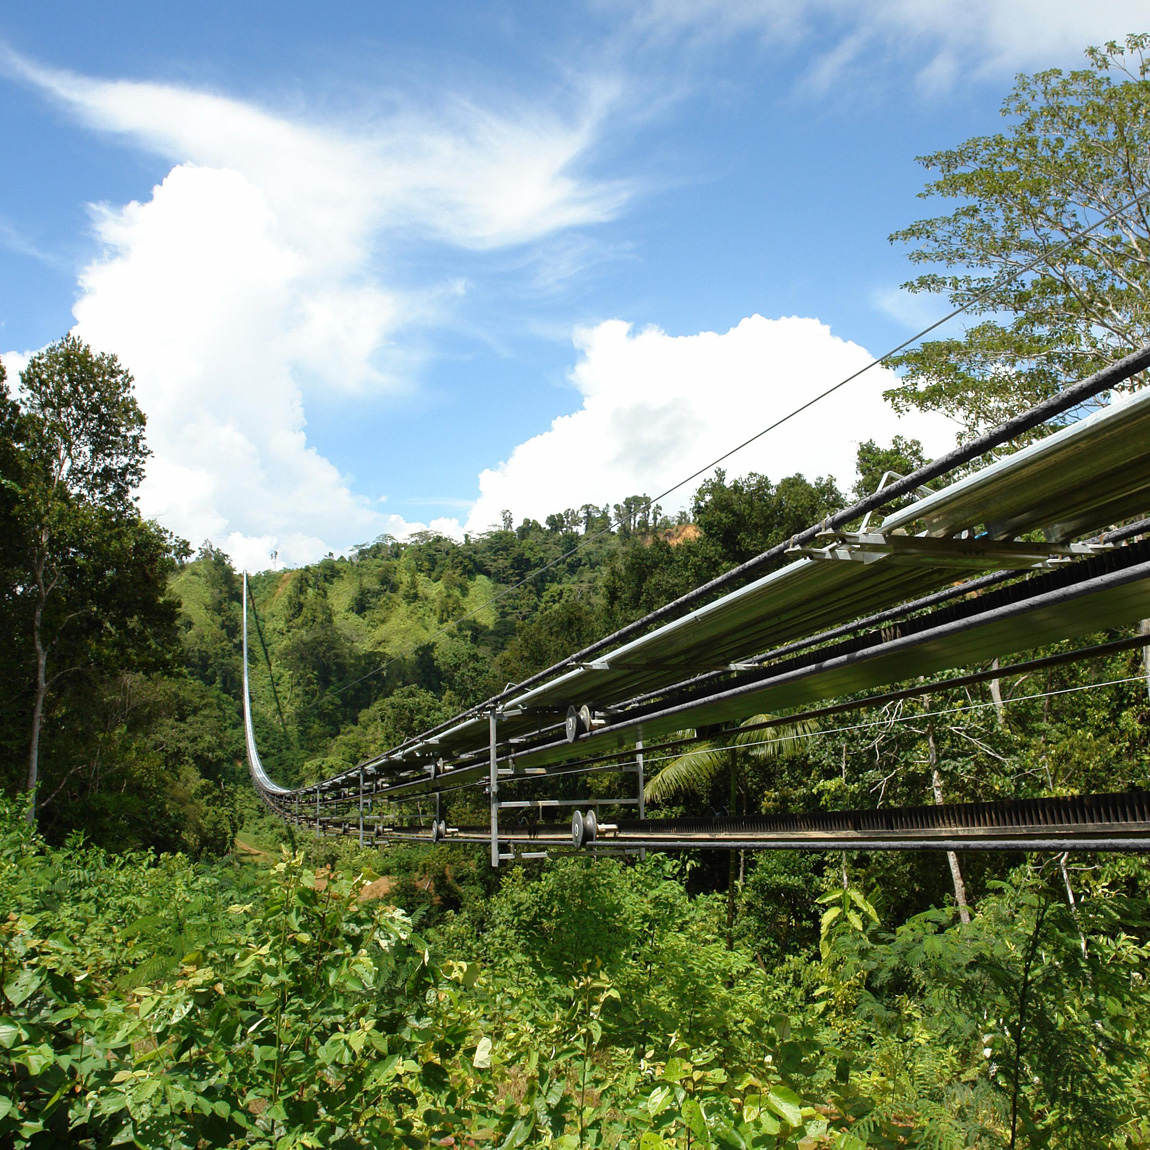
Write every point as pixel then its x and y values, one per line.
pixel 381 888
pixel 684 533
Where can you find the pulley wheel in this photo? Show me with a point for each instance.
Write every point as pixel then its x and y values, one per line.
pixel 574 724
pixel 583 828
pixel 590 826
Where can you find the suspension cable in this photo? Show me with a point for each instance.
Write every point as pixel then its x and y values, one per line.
pixel 897 489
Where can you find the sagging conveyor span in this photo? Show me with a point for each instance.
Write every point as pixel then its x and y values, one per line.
pixel 1023 552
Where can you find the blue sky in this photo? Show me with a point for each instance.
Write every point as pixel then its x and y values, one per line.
pixel 381 266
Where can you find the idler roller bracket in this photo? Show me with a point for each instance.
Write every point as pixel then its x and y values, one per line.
pixel 580 720
pixel 584 827
pixel 574 724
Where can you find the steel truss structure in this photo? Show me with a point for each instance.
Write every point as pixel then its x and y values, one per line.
pixel 1027 550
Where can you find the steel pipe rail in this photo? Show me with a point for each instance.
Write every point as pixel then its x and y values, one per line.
pixel 264 784
pixel 860 610
pixel 810 595
pixel 1064 401
pixel 1072 602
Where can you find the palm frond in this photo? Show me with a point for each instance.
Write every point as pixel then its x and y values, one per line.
pixel 695 771
pixel 781 742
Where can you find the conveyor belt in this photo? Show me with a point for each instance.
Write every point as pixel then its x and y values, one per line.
pixel 861 607
pixel 1090 474
pixel 1084 822
pixel 1069 399
pixel 1105 592
pixel 1080 479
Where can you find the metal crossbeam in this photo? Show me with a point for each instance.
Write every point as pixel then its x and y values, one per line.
pixel 845 616
pixel 978 553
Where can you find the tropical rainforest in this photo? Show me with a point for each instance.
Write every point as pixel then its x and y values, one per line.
pixel 180 969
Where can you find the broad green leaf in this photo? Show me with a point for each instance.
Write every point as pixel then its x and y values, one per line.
pixel 768 1123
pixel 863 905
pixel 434 1076
pixel 22 987
pixel 518 1134
pixel 786 1104
pixel 696 1119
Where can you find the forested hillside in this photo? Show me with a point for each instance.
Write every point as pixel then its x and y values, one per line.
pixel 179 969
pixel 848 999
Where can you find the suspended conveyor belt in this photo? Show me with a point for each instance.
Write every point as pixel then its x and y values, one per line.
pixel 1006 558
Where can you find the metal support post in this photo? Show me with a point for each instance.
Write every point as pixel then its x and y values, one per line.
pixel 493 787
pixel 642 804
pixel 317 810
pixel 361 808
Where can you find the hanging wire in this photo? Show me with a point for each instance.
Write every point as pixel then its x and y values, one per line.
pixel 268 660
pixel 587 540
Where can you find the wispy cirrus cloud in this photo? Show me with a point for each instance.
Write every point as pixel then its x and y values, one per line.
pixel 15 240
pixel 936 42
pixel 257 274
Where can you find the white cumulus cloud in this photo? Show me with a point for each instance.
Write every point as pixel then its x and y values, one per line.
pixel 255 276
pixel 657 407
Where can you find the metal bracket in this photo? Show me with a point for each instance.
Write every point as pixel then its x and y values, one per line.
pixel 922 491
pixel 931 551
pixel 493 787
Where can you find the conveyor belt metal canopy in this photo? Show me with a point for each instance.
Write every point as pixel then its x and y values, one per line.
pixel 1036 514
pixel 1079 480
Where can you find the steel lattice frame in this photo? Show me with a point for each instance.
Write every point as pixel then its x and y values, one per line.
pixel 951 579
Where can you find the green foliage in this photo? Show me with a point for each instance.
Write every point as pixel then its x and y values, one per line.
pixel 85 596
pixel 1076 151
pixel 149 1000
pixel 874 463
pixel 697 769
pixel 1017 1029
pixel 285 1011
pixel 845 909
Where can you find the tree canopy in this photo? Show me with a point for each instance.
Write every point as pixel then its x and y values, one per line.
pixel 86 577
pixel 1076 156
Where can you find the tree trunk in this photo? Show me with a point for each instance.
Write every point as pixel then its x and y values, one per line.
pixel 996 696
pixel 41 691
pixel 1144 627
pixel 951 857
pixel 1020 1027
pixel 733 808
pixel 1071 901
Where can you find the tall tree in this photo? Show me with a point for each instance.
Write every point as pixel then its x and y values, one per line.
pixel 1077 151
pixel 88 571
